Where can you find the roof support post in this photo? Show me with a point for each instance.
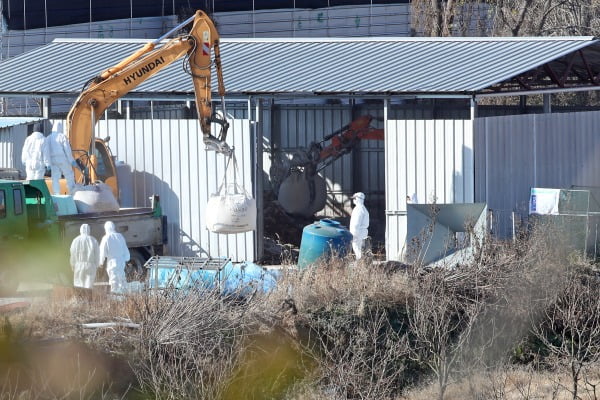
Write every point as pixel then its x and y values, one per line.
pixel 255 119
pixel 522 104
pixel 46 103
pixel 547 103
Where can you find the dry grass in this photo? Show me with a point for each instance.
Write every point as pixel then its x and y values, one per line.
pixel 339 330
pixel 510 383
pixel 337 281
pixel 46 354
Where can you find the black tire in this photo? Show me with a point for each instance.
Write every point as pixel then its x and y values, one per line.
pixel 134 270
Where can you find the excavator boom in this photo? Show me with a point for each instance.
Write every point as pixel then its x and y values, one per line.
pixel 100 92
pixel 296 182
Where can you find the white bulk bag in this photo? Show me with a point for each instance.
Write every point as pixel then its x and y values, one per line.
pixel 97 197
pixel 231 209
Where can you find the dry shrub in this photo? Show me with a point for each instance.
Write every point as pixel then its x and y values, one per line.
pixel 62 318
pixel 504 383
pixel 339 281
pixel 348 317
pixel 470 314
pixel 342 329
pixel 570 325
pixel 189 342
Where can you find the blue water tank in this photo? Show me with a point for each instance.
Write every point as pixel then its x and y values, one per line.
pixel 321 239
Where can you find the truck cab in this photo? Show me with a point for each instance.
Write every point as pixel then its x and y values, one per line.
pixel 30 241
pixel 13 214
pixel 35 235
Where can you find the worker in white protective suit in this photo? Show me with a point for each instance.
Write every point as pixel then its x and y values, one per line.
pixel 359 224
pixel 85 258
pixel 61 159
pixel 35 155
pixel 113 249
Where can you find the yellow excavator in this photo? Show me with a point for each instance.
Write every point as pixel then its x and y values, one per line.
pixel 199 46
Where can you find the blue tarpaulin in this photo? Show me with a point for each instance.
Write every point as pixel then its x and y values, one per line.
pixel 228 277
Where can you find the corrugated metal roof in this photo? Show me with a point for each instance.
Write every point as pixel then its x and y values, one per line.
pixel 7 122
pixel 307 66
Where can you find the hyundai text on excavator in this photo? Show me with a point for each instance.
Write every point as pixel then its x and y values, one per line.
pixel 34 239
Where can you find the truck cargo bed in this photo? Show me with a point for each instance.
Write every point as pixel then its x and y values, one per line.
pixel 139 226
pixel 106 215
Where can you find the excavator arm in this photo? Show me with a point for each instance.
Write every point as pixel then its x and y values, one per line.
pixel 295 180
pixel 343 141
pixel 103 90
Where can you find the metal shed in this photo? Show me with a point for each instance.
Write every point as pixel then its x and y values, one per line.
pixel 293 91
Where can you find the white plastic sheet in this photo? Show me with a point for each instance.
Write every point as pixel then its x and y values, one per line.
pixel 544 201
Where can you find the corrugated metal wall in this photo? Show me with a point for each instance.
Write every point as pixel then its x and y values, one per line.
pixel 369 175
pixel 430 158
pixel 295 127
pixel 355 20
pixel 515 153
pixel 11 144
pixel 167 157
pixel 14 42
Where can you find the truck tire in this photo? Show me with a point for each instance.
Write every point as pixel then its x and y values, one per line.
pixel 134 270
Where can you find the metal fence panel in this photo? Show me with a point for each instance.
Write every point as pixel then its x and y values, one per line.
pixel 167 157
pixel 11 144
pixel 518 152
pixel 430 159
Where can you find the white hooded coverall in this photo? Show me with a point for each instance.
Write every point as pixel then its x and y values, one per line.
pixel 114 249
pixel 61 159
pixel 35 155
pixel 359 224
pixel 85 258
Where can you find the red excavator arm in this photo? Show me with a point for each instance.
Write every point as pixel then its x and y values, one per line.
pixel 299 188
pixel 343 140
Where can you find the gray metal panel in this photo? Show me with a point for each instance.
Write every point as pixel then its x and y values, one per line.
pixel 11 144
pixel 167 157
pixel 355 20
pixel 542 150
pixel 305 66
pixel 430 158
pixel 14 42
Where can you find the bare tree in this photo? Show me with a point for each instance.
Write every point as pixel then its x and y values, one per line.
pixel 546 17
pixel 441 323
pixel 571 325
pixel 448 17
pixel 359 355
pixel 189 343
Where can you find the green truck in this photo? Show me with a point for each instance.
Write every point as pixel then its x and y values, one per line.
pixel 35 240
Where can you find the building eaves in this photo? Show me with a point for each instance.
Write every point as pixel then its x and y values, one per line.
pixel 7 122
pixel 305 66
